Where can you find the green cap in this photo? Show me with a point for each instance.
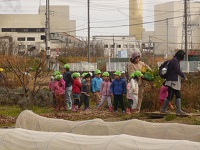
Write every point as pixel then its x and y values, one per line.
pixel 138 74
pixel 75 75
pixel 132 75
pixel 66 66
pixel 84 74
pixel 97 71
pixel 55 73
pixel 105 74
pixel 118 73
pixel 58 77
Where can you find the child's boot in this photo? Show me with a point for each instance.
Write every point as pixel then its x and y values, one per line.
pixel 110 108
pixel 73 107
pixel 128 111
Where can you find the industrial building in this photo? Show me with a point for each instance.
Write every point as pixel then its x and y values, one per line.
pixel 28 30
pixel 168 34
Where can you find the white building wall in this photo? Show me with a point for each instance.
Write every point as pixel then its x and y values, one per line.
pixel 174 12
pixel 121 43
pixel 59 19
pixel 59 22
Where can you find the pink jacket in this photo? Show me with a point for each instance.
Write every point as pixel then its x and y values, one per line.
pixel 51 85
pixel 105 88
pixel 163 92
pixel 59 87
pixel 128 95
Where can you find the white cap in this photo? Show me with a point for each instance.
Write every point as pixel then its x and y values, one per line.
pixel 90 73
pixel 123 72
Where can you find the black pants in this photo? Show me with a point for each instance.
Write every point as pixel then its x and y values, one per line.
pixel 171 93
pixel 84 99
pixel 121 101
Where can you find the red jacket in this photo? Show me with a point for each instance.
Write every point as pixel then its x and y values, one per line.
pixel 76 87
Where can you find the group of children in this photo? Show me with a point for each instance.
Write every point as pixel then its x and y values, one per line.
pixel 103 89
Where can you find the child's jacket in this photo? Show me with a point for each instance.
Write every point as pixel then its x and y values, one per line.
pixel 59 87
pixel 118 87
pixel 134 87
pixel 163 92
pixel 96 84
pixel 76 87
pixel 105 88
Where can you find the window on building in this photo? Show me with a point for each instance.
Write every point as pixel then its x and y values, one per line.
pixel 21 47
pixel 137 46
pixel 30 39
pixel 25 30
pixel 106 46
pixel 111 46
pixel 6 30
pixel 13 30
pixel 21 39
pixel 119 46
pixel 38 30
pixel 125 46
pixel 132 46
pixel 29 46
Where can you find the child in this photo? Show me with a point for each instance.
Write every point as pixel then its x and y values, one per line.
pixel 51 86
pixel 133 91
pixel 76 90
pixel 118 89
pixel 85 92
pixel 129 98
pixel 59 90
pixel 105 90
pixel 163 95
pixel 96 85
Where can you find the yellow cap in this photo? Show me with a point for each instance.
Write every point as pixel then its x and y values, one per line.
pixel 1 69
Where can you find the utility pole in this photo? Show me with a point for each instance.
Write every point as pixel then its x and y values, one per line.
pixel 113 45
pixel 186 24
pixel 167 37
pixel 47 33
pixel 88 35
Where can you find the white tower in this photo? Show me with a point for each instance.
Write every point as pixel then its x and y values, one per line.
pixel 136 18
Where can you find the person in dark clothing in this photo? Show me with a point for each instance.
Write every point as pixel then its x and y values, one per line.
pixel 85 92
pixel 69 81
pixel 173 82
pixel 118 90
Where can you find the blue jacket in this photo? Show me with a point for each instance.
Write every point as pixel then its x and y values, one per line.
pixel 118 87
pixel 96 84
pixel 174 70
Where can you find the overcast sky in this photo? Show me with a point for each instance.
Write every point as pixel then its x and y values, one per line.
pixel 104 13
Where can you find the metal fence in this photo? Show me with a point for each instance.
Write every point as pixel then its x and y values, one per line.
pixel 113 66
pixel 84 66
pixel 188 66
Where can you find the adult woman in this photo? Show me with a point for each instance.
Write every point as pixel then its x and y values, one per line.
pixel 173 82
pixel 137 65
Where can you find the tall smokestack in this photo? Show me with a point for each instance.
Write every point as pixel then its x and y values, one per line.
pixel 136 18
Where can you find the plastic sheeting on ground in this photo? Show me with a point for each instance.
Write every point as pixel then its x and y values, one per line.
pixel 21 139
pixel 29 120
